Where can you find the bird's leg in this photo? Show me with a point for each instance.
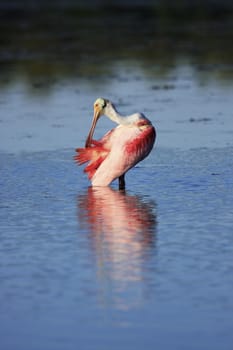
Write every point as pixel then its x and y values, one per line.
pixel 122 182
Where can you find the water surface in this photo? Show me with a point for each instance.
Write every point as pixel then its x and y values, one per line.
pixel 151 266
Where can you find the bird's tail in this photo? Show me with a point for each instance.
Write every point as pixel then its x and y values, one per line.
pixel 95 155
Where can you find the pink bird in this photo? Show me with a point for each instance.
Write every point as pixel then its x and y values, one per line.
pixel 118 150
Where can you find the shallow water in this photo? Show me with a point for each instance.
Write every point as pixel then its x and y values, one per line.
pixel 85 268
pixel 151 266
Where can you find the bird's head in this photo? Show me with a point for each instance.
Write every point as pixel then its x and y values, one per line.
pixel 99 109
pixel 100 105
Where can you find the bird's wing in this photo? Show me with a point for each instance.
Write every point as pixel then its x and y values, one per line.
pixel 95 154
pixel 138 148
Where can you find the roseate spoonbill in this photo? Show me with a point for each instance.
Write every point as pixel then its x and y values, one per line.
pixel 119 149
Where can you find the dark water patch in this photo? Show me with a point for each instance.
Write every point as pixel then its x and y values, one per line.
pixel 45 42
pixel 198 120
pixel 164 87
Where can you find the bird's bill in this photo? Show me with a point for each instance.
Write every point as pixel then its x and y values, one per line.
pixel 92 129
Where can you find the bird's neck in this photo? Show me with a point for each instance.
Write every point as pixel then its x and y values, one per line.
pixel 112 113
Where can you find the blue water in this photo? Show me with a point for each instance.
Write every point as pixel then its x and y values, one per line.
pixel 86 268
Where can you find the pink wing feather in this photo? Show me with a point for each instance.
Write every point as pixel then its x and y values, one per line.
pixel 141 146
pixel 95 154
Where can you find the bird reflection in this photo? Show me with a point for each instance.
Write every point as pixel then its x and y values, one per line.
pixel 122 231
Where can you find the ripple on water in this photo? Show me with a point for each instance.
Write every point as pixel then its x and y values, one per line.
pixel 163 248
